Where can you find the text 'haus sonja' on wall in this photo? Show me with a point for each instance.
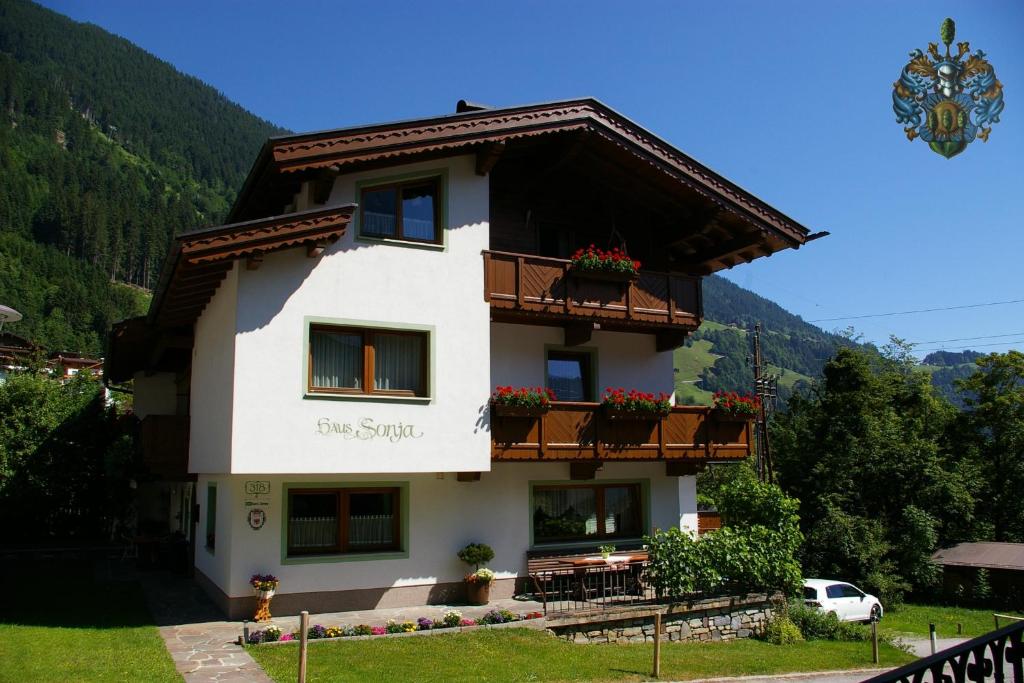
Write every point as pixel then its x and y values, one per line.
pixel 314 379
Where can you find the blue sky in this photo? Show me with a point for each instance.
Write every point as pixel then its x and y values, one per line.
pixel 792 100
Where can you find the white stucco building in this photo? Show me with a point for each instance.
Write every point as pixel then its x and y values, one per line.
pixel 313 378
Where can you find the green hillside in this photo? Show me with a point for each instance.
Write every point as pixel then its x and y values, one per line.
pixel 717 356
pixel 105 152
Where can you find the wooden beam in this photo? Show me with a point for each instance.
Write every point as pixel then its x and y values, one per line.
pixel 321 186
pixel 670 340
pixel 725 250
pixel 580 471
pixel 487 156
pixel 578 334
pixel 683 468
pixel 467 476
pixel 315 249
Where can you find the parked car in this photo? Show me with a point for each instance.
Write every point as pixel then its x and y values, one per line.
pixel 848 602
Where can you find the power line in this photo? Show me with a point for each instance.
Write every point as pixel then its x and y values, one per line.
pixel 921 310
pixel 974 346
pixel 988 336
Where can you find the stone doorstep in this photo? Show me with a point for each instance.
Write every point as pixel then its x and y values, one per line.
pixel 537 624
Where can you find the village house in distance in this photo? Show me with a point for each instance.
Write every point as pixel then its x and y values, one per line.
pixel 314 378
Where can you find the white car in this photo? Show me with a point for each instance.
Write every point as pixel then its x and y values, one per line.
pixel 848 602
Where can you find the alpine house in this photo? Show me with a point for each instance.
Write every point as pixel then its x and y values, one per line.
pixel 314 379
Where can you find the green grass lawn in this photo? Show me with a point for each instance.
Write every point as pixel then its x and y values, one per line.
pixel 915 619
pixel 57 625
pixel 527 655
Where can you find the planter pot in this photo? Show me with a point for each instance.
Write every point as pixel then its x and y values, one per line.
pixel 614 414
pixel 725 416
pixel 263 605
pixel 502 410
pixel 603 275
pixel 478 592
pixel 265 595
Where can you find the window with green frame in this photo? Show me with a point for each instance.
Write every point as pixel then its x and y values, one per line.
pixel 566 513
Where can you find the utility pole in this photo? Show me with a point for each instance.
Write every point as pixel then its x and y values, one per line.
pixel 766 388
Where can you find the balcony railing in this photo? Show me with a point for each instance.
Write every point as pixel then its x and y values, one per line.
pixel 521 286
pixel 164 444
pixel 582 431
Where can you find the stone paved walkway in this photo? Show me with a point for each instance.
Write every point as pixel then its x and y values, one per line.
pixel 203 646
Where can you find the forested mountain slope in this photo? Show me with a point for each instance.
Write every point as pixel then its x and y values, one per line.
pixel 717 356
pixel 105 152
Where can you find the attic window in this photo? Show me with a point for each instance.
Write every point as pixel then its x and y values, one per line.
pixel 403 211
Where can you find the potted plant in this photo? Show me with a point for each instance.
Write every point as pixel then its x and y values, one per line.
pixel 606 551
pixel 731 406
pixel 620 404
pixel 522 401
pixel 478 583
pixel 265 586
pixel 597 264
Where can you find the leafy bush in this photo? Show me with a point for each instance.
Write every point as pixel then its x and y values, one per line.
pixel 496 616
pixel 451 618
pixel 362 630
pixel 782 631
pixel 755 550
pixel 817 625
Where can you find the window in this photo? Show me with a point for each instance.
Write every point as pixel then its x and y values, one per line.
pixel 834 591
pixel 404 211
pixel 586 512
pixel 211 517
pixel 331 521
pixel 851 592
pixel 569 375
pixel 352 360
pixel 810 593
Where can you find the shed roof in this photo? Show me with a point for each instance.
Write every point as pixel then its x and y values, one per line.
pixel 988 555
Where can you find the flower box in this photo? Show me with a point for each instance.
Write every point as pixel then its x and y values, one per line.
pixel 720 415
pixel 502 410
pixel 616 414
pixel 603 275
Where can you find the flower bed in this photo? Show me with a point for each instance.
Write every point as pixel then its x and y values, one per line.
pixel 450 620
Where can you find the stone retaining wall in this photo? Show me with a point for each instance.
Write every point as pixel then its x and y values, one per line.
pixel 713 619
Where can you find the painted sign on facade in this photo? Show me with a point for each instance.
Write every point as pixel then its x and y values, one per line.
pixel 367 429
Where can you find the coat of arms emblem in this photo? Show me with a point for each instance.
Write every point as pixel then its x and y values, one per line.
pixel 945 99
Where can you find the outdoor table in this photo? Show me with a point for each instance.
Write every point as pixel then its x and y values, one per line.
pixel 582 565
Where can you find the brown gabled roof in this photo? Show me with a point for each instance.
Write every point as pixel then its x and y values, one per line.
pixel 199 260
pixel 484 131
pixel 988 555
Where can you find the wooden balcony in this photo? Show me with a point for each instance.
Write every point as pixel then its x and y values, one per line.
pixel 164 444
pixel 572 431
pixel 524 288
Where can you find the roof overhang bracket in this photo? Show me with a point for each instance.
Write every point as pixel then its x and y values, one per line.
pixel 487 156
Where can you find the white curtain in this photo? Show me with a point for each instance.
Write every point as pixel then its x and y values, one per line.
pixel 337 359
pixel 571 505
pixel 379 223
pixel 313 532
pixel 398 362
pixel 371 530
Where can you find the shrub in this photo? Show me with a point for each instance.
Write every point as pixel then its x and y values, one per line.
pixel 362 630
pixel 400 626
pixel 424 624
pixel 271 634
pixel 782 631
pixel 317 631
pixel 817 625
pixel 476 554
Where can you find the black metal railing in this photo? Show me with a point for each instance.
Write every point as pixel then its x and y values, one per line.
pixel 995 656
pixel 593 587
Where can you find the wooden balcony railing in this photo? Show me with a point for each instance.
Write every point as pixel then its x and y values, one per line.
pixel 520 286
pixel 572 431
pixel 164 445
